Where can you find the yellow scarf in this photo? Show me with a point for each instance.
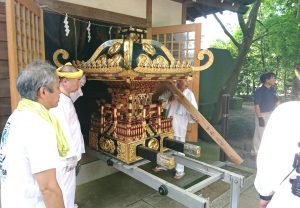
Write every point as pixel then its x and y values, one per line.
pixel 39 109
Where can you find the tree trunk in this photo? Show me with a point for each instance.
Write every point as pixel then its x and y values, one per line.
pixel 248 33
pixel 298 10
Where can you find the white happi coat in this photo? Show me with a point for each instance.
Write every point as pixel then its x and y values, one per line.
pixel 66 172
pixel 276 155
pixel 181 118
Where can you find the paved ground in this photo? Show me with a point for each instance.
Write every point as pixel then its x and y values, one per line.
pixel 119 190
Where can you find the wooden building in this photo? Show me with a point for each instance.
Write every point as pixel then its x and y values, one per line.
pixel 5 108
pixel 22 30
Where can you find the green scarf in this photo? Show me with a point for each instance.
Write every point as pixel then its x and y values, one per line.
pixel 39 109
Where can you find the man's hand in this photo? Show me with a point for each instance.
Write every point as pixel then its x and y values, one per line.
pixel 261 122
pixel 263 203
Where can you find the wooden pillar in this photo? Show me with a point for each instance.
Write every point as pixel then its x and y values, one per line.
pixel 12 52
pixel 149 13
pixel 183 13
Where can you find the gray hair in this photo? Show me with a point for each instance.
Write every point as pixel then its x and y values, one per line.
pixel 67 68
pixel 36 75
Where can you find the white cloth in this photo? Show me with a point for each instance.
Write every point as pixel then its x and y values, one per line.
pixel 67 181
pixel 66 114
pixel 276 155
pixel 181 118
pixel 75 95
pixel 28 146
pixel 78 93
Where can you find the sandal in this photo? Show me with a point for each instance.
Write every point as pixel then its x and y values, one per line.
pixel 179 176
pixel 158 169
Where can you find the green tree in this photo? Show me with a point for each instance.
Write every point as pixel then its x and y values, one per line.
pixel 247 27
pixel 267 39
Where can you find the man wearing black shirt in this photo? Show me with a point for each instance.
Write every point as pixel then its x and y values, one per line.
pixel 265 101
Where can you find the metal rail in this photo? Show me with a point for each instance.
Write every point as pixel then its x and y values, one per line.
pixel 187 197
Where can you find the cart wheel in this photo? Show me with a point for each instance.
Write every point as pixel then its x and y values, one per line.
pixel 110 162
pixel 163 190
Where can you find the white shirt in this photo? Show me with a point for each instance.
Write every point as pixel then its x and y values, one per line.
pixel 276 156
pixel 66 114
pixel 28 146
pixel 181 117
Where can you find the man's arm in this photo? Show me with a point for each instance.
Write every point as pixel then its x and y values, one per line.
pixel 49 188
pixel 261 120
pixel 257 111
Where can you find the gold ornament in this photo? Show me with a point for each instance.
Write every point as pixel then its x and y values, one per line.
pixel 149 49
pixel 115 48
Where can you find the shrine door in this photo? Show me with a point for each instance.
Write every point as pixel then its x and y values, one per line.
pixel 183 41
pixel 25 39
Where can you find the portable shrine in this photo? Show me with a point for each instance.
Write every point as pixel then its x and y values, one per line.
pixel 133 126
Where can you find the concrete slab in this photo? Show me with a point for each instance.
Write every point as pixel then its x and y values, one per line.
pixel 158 201
pixel 93 170
pixel 219 192
pixel 139 204
pixel 116 190
pixel 120 190
pixel 248 199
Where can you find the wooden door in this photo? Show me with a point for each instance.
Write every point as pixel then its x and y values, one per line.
pixel 25 39
pixel 183 41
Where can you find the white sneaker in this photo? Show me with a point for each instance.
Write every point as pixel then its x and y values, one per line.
pixel 76 206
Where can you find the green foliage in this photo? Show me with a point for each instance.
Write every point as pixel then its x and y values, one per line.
pixel 283 38
pixel 275 47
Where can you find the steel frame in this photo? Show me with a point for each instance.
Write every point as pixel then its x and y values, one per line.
pixel 187 197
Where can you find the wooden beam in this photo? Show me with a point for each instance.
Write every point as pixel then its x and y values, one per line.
pixel 212 132
pixel 12 52
pixel 149 13
pixel 32 5
pixel 93 13
pixel 179 1
pixel 218 4
pixel 183 14
pixel 190 17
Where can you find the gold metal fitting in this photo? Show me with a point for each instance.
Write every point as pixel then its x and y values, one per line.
pixel 192 150
pixel 153 144
pixel 166 161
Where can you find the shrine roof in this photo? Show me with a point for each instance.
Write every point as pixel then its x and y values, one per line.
pixel 202 8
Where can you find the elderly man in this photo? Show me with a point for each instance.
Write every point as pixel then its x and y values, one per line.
pixel 65 112
pixel 32 142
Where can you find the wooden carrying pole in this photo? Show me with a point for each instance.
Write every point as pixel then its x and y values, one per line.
pixel 214 134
